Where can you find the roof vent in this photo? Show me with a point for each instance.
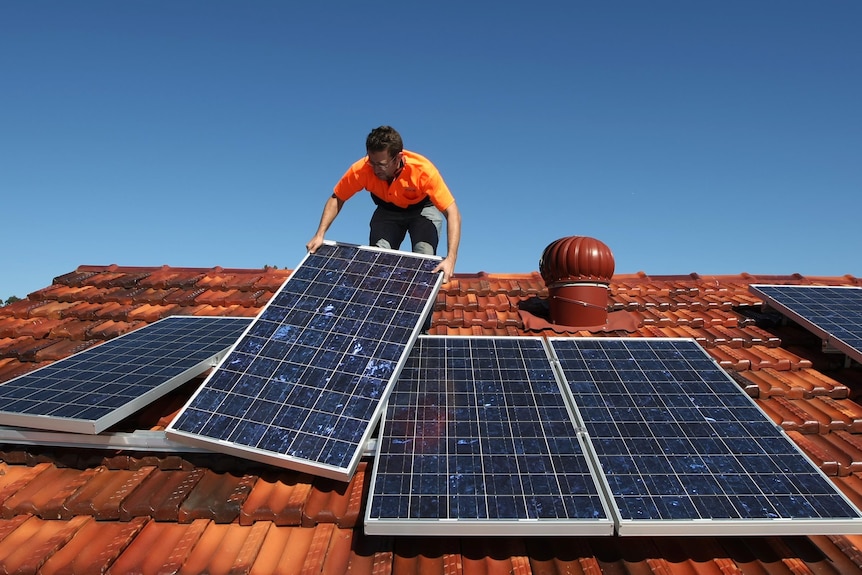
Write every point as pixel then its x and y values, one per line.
pixel 577 271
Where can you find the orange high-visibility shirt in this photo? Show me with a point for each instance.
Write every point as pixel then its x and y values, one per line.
pixel 419 178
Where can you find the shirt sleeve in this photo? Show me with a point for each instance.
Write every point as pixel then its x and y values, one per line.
pixel 351 182
pixel 438 191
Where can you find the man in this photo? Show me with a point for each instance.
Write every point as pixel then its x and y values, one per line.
pixel 410 194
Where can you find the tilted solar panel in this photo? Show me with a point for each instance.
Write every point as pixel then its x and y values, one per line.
pixel 94 389
pixel 305 385
pixel 685 451
pixel 477 440
pixel 833 313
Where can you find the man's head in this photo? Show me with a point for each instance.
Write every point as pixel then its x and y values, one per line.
pixel 384 147
pixel 384 138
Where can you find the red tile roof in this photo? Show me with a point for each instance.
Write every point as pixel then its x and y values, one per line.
pixel 73 510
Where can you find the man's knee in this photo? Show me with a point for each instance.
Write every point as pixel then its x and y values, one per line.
pixel 423 248
pixel 382 243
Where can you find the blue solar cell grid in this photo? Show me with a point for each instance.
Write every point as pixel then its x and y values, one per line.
pixel 305 385
pixel 91 390
pixel 477 440
pixel 833 313
pixel 684 450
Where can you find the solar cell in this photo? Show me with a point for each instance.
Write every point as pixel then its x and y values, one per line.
pixel 833 313
pixel 684 451
pixel 305 385
pixel 91 390
pixel 477 440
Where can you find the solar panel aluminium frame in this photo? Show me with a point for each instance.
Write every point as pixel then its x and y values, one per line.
pixel 830 338
pixel 292 456
pixel 86 364
pixel 711 526
pixel 536 499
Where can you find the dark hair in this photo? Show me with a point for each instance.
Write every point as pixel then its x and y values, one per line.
pixel 384 138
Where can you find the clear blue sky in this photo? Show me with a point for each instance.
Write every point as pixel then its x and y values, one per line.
pixel 710 137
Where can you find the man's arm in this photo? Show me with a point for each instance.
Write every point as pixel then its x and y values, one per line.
pixel 453 236
pixel 330 210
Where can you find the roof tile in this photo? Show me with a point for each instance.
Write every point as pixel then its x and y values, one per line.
pixel 111 329
pixel 159 548
pixel 160 495
pixel 277 497
pixel 151 313
pixel 95 546
pixel 216 496
pixel 53 310
pixel 26 549
pixel 75 278
pixel 285 550
pixel 225 549
pixel 103 494
pixel 30 351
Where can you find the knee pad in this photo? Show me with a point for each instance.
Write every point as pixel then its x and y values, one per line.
pixel 423 248
pixel 381 243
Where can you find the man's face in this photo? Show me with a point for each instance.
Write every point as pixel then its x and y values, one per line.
pixel 384 166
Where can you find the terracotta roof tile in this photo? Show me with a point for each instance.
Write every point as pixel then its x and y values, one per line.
pixel 115 311
pixel 286 550
pixel 160 495
pixel 53 310
pixel 277 497
pixel 160 548
pixel 225 549
pixel 87 310
pixel 74 330
pixel 94 547
pixel 45 497
pixel 34 349
pixel 14 477
pixel 25 549
pixel 791 416
pixel 75 278
pixel 334 501
pixel 829 457
pixel 152 313
pixel 216 496
pixel 103 494
pixel 24 308
pixel 124 296
pixel 272 280
pixel 50 293
pixel 111 329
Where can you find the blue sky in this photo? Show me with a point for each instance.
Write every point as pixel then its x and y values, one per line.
pixel 710 137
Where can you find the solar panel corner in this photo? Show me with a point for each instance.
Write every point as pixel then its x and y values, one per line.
pixel 304 386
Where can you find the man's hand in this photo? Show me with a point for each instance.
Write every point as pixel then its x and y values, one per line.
pixel 313 244
pixel 330 210
pixel 447 266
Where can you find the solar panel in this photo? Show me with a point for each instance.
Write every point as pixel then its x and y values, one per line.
pixel 684 451
pixel 477 440
pixel 833 313
pixel 91 390
pixel 305 385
